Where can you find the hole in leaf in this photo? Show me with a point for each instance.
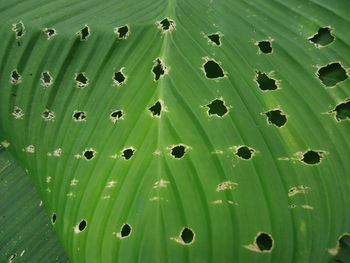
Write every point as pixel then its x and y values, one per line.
pixel 79 115
pixel 156 109
pixel 13 256
pixel 119 78
pixel 264 82
pixel 343 111
pixel 187 235
pixel 89 154
pixel 50 32
pixel 178 151
pixel 48 114
pixel 122 32
pixel 17 112
pixel 323 37
pixel 245 152
pixel 312 157
pixel 332 74
pixel 15 77
pixel 215 38
pixel 265 46
pixel 158 70
pixel 128 153
pixel 213 70
pixel 53 218
pixel 166 24
pixel 116 115
pixel 19 29
pixel 264 242
pixel 125 231
pixel 81 80
pixel 84 33
pixel 46 79
pixel 276 117
pixel 82 225
pixel 217 107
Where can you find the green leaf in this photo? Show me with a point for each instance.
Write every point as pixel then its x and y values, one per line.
pixel 152 141
pixel 26 232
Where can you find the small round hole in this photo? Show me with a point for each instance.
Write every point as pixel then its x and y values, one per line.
pixel 187 235
pixel 264 242
pixel 82 225
pixel 125 231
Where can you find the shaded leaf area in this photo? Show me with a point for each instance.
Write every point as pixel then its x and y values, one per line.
pixel 26 234
pixel 125 185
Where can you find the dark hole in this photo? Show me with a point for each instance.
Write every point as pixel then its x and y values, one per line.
pixel 81 78
pixel 19 29
pixel 15 76
pixel 126 230
pixel 217 107
pixel 323 37
pixel 50 32
pixel 265 47
pixel 158 70
pixel 344 251
pixel 276 117
pixel 156 109
pixel 187 235
pixel 178 151
pixel 264 242
pixel 53 219
pixel 311 157
pixel 117 114
pixel 244 152
pixel 119 78
pixel 47 114
pixel 265 83
pixel 84 33
pixel 215 38
pixel 128 153
pixel 344 241
pixel 12 257
pixel 343 111
pixel 213 70
pixel 82 225
pixel 89 154
pixel 332 74
pixel 123 31
pixel 166 24
pixel 79 115
pixel 46 78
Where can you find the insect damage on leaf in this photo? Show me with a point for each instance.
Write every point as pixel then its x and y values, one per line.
pixel 166 25
pixel 186 237
pixel 84 33
pixel 212 69
pixel 332 74
pixel 122 32
pixel 323 37
pixel 263 243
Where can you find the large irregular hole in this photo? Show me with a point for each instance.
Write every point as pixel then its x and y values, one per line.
pixel 166 25
pixel 122 32
pixel 53 218
pixel 128 153
pixel 48 115
pixel 312 157
pixel 156 109
pixel 50 32
pixel 89 154
pixel 125 230
pixel 178 151
pixel 217 107
pixel 15 77
pixel 323 37
pixel 265 46
pixel 46 79
pixel 19 29
pixel 79 115
pixel 159 69
pixel 264 242
pixel 276 117
pixel 187 235
pixel 116 115
pixel 215 38
pixel 17 113
pixel 265 82
pixel 213 70
pixel 81 80
pixel 331 74
pixel 342 111
pixel 84 33
pixel 245 152
pixel 119 77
